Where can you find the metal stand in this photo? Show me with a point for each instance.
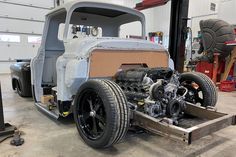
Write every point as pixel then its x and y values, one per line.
pixel 6 129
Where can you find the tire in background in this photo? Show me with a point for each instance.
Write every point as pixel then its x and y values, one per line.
pixel 207 86
pixel 215 33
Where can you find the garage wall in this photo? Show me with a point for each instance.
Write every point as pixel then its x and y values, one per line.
pixel 162 21
pixel 227 11
pixel 157 19
pixel 21 25
pixel 200 10
pixel 201 7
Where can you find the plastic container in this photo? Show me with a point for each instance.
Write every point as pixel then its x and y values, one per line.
pixel 227 86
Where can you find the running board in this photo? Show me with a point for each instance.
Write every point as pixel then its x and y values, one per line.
pixel 52 114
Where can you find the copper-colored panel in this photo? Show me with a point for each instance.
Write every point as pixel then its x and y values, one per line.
pixel 105 63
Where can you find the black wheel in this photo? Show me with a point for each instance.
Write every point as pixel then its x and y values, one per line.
pixel 101 113
pixel 201 89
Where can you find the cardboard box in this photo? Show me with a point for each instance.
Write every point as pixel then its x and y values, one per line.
pixel 45 99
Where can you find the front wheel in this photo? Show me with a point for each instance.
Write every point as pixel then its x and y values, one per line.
pixel 101 113
pixel 201 89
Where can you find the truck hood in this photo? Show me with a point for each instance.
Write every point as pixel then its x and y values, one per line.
pixel 82 47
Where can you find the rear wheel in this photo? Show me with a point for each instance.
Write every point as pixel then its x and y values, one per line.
pixel 101 113
pixel 201 89
pixel 18 89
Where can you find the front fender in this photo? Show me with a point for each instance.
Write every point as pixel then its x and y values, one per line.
pixel 76 74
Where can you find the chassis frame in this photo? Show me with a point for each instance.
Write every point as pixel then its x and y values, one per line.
pixel 215 121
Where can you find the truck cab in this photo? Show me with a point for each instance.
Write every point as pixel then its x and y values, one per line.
pixel 65 61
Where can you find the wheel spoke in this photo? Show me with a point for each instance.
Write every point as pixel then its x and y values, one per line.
pixel 90 103
pixel 97 106
pixel 95 130
pixel 86 116
pixel 200 100
pixel 193 93
pixel 101 119
pixel 101 125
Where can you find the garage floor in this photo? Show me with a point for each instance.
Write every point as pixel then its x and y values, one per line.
pixel 45 137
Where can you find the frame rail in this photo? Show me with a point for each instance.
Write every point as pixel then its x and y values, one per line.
pixel 215 121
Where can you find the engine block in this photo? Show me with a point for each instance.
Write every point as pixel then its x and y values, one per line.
pixel 154 91
pixel 137 82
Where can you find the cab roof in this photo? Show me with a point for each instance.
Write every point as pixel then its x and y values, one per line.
pixel 103 9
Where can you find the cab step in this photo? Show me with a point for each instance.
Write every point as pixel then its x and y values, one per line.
pixel 52 113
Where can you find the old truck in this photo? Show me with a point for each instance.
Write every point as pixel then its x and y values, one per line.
pixel 111 84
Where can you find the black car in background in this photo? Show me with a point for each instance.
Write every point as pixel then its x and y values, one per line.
pixel 21 78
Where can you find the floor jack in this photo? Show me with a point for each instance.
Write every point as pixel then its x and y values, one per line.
pixel 7 130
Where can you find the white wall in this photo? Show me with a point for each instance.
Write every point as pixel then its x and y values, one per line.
pixel 201 7
pixel 200 10
pixel 227 11
pixel 38 3
pixel 23 19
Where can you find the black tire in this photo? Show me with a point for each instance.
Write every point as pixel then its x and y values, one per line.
pixel 215 33
pixel 205 86
pixel 18 89
pixel 106 100
pixel 14 82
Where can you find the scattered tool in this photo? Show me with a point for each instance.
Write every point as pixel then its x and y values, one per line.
pixel 17 140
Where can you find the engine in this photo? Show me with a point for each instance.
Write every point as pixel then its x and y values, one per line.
pixel 154 91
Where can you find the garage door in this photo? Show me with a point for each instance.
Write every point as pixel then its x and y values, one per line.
pixel 21 26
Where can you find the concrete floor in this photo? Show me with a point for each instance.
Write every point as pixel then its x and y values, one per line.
pixel 45 137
